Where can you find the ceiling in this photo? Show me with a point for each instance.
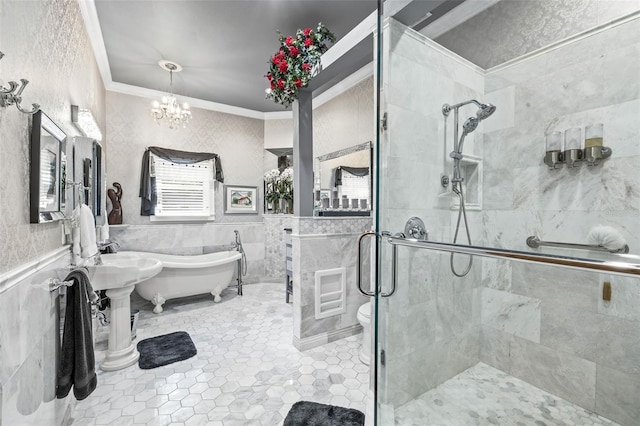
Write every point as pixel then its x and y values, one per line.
pixel 223 46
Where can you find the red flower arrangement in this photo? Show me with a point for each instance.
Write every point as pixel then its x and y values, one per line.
pixel 290 69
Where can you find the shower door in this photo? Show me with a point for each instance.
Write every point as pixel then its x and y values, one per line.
pixel 527 334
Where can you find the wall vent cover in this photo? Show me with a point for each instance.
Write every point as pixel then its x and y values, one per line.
pixel 331 292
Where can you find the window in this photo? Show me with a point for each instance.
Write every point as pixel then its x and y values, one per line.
pixel 355 186
pixel 184 191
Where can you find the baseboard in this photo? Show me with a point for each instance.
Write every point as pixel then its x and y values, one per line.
pixel 324 338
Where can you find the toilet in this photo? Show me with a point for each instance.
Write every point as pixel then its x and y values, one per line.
pixel 364 318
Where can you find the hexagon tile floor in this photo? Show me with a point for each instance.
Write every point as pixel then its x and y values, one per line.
pixel 246 371
pixel 482 395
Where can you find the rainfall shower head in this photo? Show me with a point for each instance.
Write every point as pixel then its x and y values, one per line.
pixel 485 110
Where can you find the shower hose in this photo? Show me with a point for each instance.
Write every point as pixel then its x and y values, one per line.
pixel 462 213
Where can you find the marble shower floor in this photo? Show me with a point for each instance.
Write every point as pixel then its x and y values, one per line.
pixel 246 372
pixel 483 395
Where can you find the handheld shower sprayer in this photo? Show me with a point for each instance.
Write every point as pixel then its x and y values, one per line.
pixel 471 124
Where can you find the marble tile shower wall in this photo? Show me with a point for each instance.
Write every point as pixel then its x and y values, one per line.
pixel 433 326
pixel 275 251
pixel 550 326
pixel 191 239
pixel 320 244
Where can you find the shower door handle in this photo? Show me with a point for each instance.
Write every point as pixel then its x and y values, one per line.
pixel 394 272
pixel 359 262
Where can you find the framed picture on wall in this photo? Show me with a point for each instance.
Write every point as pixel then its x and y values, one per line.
pixel 240 199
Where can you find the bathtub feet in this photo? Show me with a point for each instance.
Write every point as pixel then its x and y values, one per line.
pixel 216 297
pixel 158 300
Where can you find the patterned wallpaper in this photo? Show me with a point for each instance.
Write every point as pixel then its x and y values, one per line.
pixel 345 121
pixel 514 27
pixel 130 128
pixel 46 43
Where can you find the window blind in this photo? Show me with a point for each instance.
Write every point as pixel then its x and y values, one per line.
pixel 355 186
pixel 183 189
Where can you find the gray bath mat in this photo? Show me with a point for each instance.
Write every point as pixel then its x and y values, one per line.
pixel 304 413
pixel 166 349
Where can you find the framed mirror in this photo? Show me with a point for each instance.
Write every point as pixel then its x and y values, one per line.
pixel 343 181
pixel 88 171
pixel 48 170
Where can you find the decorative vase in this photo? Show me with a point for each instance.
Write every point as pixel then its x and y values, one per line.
pixel 282 205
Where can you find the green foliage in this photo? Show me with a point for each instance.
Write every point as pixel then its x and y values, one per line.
pixel 293 66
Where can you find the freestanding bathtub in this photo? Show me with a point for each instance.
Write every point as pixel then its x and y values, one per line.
pixel 183 276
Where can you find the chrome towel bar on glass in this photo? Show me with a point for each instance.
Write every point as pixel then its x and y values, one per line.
pixel 535 242
pixel 622 266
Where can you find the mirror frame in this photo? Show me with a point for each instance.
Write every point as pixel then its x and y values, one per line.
pixel 87 168
pixel 337 154
pixel 42 126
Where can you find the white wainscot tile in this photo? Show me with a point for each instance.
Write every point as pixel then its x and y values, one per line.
pixel 557 372
pixel 496 274
pixel 625 298
pixel 620 188
pixel 518 315
pixel 503 117
pixel 498 191
pixel 618 395
pixel 510 229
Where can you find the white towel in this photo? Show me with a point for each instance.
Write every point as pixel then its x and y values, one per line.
pixel 103 230
pixel 87 232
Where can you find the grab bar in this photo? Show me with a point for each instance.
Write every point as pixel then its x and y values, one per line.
pixel 535 242
pixel 607 266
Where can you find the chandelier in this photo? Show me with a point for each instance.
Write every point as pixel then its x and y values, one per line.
pixel 169 110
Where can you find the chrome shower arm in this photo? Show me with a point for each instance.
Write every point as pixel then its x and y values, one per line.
pixel 446 108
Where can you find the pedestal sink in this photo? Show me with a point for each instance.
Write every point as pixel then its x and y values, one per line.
pixel 118 275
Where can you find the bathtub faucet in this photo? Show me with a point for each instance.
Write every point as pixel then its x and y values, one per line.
pixel 108 247
pixel 238 241
pixel 242 266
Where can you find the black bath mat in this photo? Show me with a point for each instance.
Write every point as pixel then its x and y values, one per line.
pixel 304 413
pixel 165 349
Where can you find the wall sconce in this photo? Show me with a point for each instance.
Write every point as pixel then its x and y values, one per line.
pixel 12 95
pixel 571 150
pixel 85 122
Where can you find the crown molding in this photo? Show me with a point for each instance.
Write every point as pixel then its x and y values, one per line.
pixel 566 41
pixel 143 92
pixel 94 31
pixel 344 85
pixel 456 16
pixel 329 94
pixel 361 31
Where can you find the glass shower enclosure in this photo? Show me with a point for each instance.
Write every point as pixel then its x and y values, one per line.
pixel 477 320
